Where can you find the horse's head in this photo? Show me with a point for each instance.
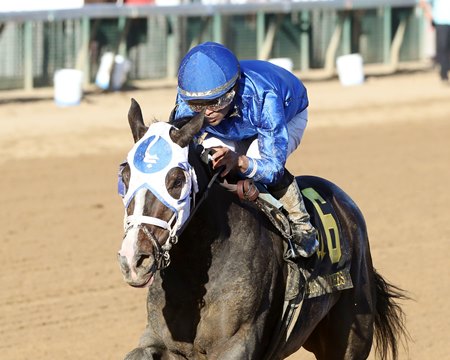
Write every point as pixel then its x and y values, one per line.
pixel 157 184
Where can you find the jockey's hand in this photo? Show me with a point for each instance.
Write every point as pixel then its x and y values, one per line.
pixel 224 156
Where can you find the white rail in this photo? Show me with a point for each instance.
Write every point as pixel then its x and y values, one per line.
pixel 136 11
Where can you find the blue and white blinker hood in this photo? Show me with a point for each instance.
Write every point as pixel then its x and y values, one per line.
pixel 150 159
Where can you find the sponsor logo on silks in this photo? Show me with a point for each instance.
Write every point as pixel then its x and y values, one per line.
pixel 152 155
pixel 330 228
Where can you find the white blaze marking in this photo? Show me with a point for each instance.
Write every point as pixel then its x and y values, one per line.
pixel 129 246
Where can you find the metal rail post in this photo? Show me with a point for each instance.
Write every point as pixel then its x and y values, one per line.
pixel 304 40
pixel 28 55
pixel 85 39
pixel 173 52
pixel 387 33
pixel 346 33
pixel 217 28
pixel 260 32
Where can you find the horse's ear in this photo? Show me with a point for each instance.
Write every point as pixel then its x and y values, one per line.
pixel 136 121
pixel 184 135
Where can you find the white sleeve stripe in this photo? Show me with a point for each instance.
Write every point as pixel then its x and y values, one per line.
pixel 255 168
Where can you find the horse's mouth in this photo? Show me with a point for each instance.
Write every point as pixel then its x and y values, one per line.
pixel 141 274
pixel 142 284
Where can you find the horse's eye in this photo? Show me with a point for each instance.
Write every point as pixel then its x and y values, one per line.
pixel 178 183
pixel 175 181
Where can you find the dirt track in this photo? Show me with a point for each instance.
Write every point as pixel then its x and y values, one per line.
pixel 385 143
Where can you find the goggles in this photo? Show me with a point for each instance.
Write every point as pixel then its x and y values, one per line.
pixel 213 105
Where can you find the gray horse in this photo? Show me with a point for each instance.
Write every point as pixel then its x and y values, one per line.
pixel 220 293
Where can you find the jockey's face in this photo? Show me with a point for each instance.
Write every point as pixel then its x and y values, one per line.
pixel 214 118
pixel 216 109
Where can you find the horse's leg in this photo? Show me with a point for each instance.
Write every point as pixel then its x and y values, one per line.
pixel 150 348
pixel 346 333
pixel 142 354
pixel 152 353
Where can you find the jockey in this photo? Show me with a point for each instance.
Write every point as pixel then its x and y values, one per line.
pixel 255 114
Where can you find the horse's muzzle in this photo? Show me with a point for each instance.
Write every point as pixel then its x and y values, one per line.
pixel 141 271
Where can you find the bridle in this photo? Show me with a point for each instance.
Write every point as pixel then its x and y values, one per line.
pixel 161 252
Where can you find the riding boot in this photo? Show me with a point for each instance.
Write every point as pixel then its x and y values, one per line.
pixel 304 236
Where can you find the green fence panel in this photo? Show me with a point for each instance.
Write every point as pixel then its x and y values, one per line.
pixel 155 43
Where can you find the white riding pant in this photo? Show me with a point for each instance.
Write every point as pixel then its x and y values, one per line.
pixel 296 128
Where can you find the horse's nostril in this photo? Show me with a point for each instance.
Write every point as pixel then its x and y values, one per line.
pixel 143 262
pixel 123 262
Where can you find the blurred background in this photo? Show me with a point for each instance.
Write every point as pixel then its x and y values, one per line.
pixel 379 123
pixel 151 36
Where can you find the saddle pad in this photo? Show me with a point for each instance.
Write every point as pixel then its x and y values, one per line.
pixel 331 271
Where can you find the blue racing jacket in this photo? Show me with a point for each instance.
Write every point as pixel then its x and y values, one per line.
pixel 268 97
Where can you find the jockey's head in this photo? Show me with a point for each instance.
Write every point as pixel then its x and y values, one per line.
pixel 207 78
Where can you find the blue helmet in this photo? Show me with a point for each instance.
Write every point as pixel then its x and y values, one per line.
pixel 207 72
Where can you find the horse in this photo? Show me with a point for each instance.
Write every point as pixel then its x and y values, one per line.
pixel 215 266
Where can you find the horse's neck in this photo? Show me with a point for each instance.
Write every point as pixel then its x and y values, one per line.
pixel 203 239
pixel 222 223
pixel 225 224
pixel 225 247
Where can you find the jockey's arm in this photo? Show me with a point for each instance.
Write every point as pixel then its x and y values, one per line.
pixel 224 156
pixel 264 162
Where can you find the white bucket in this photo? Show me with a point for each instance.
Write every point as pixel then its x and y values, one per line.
pixel 350 69
pixel 285 63
pixel 68 89
pixel 119 76
pixel 121 69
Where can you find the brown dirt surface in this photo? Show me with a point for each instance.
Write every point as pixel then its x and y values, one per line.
pixel 385 143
